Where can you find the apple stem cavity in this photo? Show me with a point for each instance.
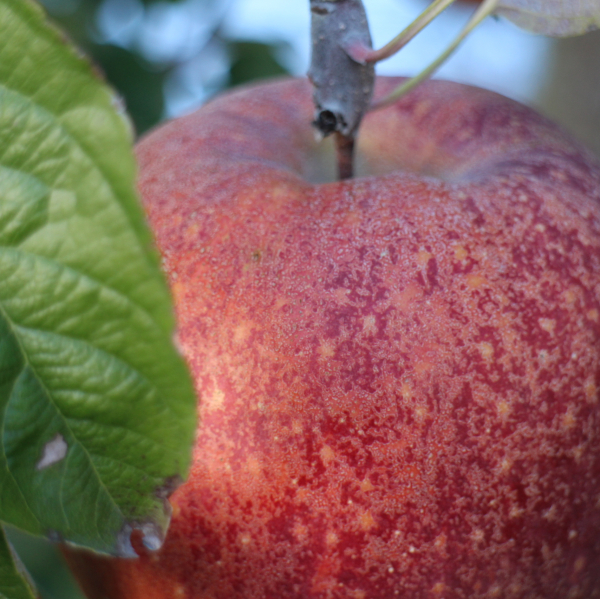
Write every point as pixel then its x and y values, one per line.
pixel 343 86
pixel 344 148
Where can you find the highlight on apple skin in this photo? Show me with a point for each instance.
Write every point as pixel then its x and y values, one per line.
pixel 398 374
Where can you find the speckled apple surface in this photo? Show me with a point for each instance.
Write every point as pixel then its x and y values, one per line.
pixel 399 374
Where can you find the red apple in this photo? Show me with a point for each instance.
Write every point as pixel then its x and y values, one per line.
pixel 399 374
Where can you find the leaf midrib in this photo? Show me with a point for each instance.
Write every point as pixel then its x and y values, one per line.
pixel 62 418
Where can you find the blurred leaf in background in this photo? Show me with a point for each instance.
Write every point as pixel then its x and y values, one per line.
pixel 571 94
pixel 138 82
pixel 45 565
pixel 253 60
pixel 164 57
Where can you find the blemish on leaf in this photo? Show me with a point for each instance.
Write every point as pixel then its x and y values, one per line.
pixel 168 487
pixel 124 548
pixel 54 536
pixel 54 451
pixel 153 536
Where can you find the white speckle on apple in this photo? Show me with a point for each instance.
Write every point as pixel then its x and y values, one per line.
pixel 504 409
pixel 54 451
pixel 478 535
pixel 487 350
pixel 515 512
pixel 550 513
pixel 579 564
pixel 569 420
pixel 591 391
pixel 215 400
pixel 369 325
pixel 572 534
pixel 547 324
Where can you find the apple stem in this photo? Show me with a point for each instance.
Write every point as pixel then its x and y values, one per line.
pixel 485 9
pixel 342 70
pixel 343 87
pixel 344 147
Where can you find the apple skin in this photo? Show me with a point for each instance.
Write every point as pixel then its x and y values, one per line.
pixel 398 373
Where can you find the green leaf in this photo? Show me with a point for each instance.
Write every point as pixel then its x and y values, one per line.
pixel 13 580
pixel 252 61
pixel 97 411
pixel 558 18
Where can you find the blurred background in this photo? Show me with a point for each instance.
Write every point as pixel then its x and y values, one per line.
pixel 166 58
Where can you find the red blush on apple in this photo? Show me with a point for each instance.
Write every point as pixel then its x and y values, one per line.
pixel 398 374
